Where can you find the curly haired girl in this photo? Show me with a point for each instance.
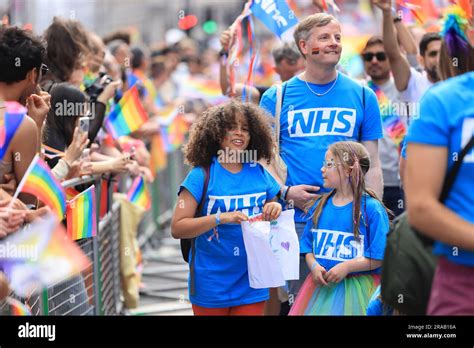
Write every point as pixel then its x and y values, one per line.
pixel 226 185
pixel 344 242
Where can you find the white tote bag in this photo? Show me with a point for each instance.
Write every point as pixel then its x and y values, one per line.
pixel 272 251
pixel 285 244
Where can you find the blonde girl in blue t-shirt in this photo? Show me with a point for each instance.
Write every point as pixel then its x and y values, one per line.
pixel 344 242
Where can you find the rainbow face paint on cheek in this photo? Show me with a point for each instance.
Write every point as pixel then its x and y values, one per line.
pixel 315 51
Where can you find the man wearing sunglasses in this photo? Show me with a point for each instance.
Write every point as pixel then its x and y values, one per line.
pixel 393 112
pixel 410 82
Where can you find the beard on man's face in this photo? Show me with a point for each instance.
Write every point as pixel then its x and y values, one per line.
pixel 433 73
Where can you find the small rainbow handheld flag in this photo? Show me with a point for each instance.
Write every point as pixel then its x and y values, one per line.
pixel 139 193
pixel 40 182
pixel 81 214
pixel 49 256
pixel 158 159
pixel 71 193
pixel 18 308
pixel 127 116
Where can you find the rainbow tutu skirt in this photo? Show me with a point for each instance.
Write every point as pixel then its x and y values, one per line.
pixel 349 297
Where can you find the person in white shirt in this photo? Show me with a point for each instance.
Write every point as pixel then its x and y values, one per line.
pixel 411 83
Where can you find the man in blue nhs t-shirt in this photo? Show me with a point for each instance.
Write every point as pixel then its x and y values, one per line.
pixel 321 106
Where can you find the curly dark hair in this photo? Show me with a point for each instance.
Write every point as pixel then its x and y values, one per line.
pixel 210 129
pixel 20 52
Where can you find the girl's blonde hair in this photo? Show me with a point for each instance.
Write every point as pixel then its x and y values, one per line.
pixel 355 159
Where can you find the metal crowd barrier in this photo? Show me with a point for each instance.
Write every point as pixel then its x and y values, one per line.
pixel 98 291
pixel 164 195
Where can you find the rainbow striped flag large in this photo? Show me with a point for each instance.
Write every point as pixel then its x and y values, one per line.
pixel 81 214
pixel 9 123
pixel 40 182
pixel 127 116
pixel 139 194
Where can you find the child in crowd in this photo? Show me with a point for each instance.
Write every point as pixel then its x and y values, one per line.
pixel 224 147
pixel 344 242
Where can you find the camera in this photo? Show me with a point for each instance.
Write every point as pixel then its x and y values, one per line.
pixel 94 90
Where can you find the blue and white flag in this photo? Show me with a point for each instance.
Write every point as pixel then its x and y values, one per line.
pixel 275 14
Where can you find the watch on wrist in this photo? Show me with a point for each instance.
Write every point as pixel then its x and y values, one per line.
pixel 223 53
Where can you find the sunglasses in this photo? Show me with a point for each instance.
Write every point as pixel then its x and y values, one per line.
pixel 381 56
pixel 44 69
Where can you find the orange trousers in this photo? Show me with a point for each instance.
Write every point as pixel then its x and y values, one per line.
pixel 250 309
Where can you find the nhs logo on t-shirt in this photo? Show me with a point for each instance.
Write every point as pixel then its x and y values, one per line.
pixel 336 245
pixel 250 202
pixel 321 121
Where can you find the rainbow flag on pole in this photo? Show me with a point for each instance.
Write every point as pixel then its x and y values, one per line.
pixel 81 214
pixel 139 194
pixel 127 116
pixel 40 182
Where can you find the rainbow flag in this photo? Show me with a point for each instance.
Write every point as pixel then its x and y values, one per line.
pixel 40 182
pixel 391 121
pixel 177 131
pixel 45 256
pixel 173 128
pixel 127 116
pixel 209 90
pixel 18 308
pixel 158 157
pixel 139 193
pixel 71 193
pixel 81 214
pixel 422 10
pixel 9 124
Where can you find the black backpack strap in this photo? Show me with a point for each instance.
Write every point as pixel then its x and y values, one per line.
pixel 447 185
pixel 192 289
pixel 451 176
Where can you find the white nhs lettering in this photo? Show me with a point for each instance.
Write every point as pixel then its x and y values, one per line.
pixel 321 121
pixel 249 202
pixel 336 245
pixel 269 6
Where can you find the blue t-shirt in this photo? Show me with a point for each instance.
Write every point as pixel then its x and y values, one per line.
pixel 309 124
pixel 221 274
pixel 376 306
pixel 447 120
pixel 333 241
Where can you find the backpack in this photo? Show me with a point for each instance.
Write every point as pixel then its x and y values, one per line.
pixel 408 266
pixel 188 244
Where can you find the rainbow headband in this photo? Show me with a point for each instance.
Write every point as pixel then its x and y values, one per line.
pixel 455 24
